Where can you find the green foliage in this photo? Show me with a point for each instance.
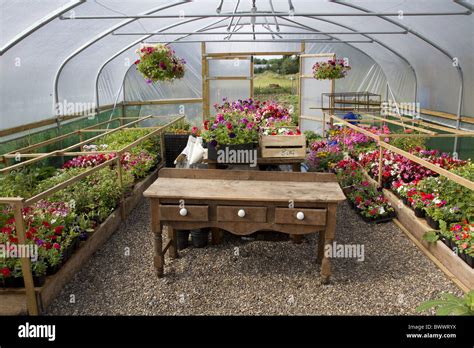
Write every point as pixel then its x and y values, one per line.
pixel 290 65
pixel 181 127
pixel 21 183
pixel 449 304
pixel 121 138
pixel 431 236
pixel 311 137
pixel 98 194
pixel 409 142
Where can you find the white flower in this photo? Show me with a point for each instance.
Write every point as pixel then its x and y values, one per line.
pixel 381 210
pixel 53 221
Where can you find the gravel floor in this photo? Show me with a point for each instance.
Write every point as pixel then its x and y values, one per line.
pixel 266 278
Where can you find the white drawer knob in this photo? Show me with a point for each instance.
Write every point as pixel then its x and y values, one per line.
pixel 300 215
pixel 241 213
pixel 183 212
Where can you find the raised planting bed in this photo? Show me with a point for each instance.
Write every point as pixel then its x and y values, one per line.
pixel 13 300
pixel 452 264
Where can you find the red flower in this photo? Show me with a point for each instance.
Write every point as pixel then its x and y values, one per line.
pixel 14 240
pixel 7 230
pixel 56 246
pixel 59 230
pixel 46 224
pixel 206 124
pixel 11 221
pixel 5 271
pixel 358 199
pixel 229 125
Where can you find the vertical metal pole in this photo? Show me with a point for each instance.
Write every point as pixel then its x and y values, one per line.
pixel 123 99
pixel 458 118
pixel 31 303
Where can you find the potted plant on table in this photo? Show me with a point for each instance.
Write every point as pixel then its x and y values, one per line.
pixel 230 131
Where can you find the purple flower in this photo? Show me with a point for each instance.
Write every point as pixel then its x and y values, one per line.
pixel 232 135
pixel 213 143
pixel 163 65
pixel 39 242
pixel 148 81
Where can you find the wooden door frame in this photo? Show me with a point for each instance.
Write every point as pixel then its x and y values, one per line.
pixel 302 76
pixel 234 55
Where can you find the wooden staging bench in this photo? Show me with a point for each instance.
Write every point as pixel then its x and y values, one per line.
pixel 243 202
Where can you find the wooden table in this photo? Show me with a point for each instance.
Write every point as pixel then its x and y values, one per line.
pixel 295 162
pixel 243 202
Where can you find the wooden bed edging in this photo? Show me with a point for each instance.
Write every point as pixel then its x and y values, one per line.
pixel 13 301
pixel 451 264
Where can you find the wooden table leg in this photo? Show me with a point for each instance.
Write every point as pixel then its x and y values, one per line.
pixel 157 229
pixel 216 235
pixel 296 238
pixel 172 236
pixel 328 238
pixel 159 256
pixel 321 245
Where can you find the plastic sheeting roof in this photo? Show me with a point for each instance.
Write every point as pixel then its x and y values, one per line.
pixel 74 54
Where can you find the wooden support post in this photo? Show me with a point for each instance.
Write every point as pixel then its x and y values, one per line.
pixel 205 82
pixel 31 303
pixel 380 165
pixel 120 177
pixel 81 139
pixel 162 146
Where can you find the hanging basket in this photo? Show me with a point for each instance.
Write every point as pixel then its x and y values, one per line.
pixel 159 63
pixel 333 69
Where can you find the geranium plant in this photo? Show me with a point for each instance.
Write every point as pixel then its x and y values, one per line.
pixel 159 63
pixel 331 70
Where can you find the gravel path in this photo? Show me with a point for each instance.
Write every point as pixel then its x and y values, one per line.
pixel 266 278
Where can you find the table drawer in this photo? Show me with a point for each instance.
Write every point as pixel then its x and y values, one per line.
pixel 314 217
pixel 247 214
pixel 192 213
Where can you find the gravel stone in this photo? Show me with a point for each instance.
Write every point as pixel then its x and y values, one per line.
pixel 242 277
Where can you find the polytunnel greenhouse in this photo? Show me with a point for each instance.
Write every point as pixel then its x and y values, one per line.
pixel 236 157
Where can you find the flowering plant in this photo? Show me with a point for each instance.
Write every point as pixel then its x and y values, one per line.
pixel 330 70
pixel 370 203
pixel 88 160
pixel 48 227
pixel 159 63
pixel 246 106
pixel 139 163
pixel 230 128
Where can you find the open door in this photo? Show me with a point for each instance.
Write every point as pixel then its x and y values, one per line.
pixel 228 76
pixel 311 114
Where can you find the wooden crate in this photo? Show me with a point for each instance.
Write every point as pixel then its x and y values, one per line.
pixel 282 145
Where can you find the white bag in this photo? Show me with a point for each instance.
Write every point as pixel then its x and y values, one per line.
pixel 192 153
